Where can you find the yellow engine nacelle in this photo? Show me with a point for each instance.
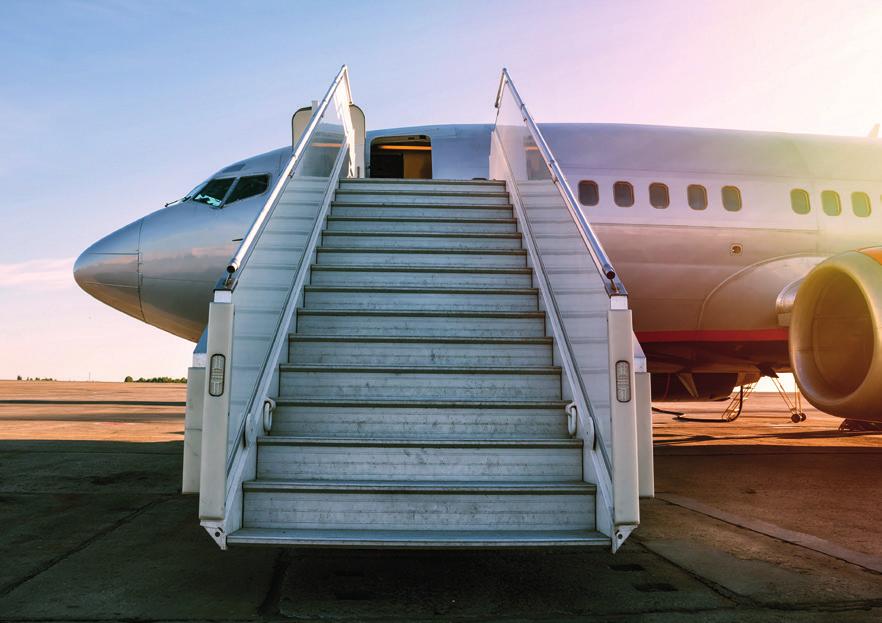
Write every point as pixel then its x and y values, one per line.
pixel 836 335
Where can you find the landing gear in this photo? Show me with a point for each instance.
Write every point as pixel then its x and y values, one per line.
pixel 736 404
pixel 794 405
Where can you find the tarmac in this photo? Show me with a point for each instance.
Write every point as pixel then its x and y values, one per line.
pixel 755 520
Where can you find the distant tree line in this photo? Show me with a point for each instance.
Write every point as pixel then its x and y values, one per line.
pixel 128 379
pixel 156 379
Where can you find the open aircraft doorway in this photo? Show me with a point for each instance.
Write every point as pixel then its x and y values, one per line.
pixel 401 157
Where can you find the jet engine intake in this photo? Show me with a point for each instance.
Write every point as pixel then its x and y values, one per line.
pixel 835 333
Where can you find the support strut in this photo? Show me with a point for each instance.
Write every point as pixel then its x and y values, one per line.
pixel 794 405
pixel 732 411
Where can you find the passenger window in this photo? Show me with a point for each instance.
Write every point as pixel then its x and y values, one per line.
pixel 799 201
pixel 589 194
pixel 731 198
pixel 830 203
pixel 696 195
pixel 214 192
pixel 623 193
pixel 659 196
pixel 249 187
pixel 860 204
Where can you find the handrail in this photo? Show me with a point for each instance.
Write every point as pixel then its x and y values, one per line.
pixel 263 381
pixel 614 285
pixel 228 280
pixel 612 462
pixel 228 446
pixel 554 317
pixel 238 463
pixel 280 338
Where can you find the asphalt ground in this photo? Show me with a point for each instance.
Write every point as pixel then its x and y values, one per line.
pixel 755 520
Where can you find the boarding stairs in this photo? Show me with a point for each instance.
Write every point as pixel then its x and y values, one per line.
pixel 420 404
pixel 386 370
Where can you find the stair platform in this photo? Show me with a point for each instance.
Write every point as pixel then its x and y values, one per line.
pixel 420 539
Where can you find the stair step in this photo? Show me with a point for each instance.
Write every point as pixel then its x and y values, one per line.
pixel 445 240
pixel 384 511
pixel 395 459
pixel 404 185
pixel 421 224
pixel 420 419
pixel 420 539
pixel 420 323
pixel 420 382
pixel 437 210
pixel 346 256
pixel 469 487
pixel 421 276
pixel 419 351
pixel 417 197
pixel 424 506
pixel 402 298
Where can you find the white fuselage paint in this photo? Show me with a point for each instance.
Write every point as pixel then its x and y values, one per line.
pixel 702 283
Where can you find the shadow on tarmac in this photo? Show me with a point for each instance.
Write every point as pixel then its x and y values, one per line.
pixel 99 530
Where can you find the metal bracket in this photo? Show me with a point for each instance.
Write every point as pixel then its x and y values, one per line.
pixel 621 534
pixel 572 418
pixel 216 532
pixel 269 405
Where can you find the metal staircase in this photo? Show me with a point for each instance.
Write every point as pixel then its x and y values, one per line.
pixel 427 364
pixel 420 405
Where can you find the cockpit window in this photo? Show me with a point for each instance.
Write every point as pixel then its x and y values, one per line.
pixel 193 192
pixel 214 192
pixel 186 197
pixel 249 187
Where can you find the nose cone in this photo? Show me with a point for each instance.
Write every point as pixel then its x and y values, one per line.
pixel 108 270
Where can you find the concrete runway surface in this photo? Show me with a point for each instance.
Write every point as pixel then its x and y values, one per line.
pixel 756 520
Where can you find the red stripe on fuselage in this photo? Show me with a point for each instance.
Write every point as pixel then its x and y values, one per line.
pixel 723 335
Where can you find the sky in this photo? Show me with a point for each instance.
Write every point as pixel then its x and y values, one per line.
pixel 108 109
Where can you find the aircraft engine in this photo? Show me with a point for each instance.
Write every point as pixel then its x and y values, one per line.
pixel 836 335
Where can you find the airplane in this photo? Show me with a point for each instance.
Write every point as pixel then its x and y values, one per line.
pixel 745 254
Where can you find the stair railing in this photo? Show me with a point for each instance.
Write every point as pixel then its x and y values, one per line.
pixel 249 322
pixel 587 308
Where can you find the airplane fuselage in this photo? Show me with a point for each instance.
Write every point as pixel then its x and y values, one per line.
pixel 703 274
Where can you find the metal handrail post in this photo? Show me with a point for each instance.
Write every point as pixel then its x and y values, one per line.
pixel 228 281
pixel 614 285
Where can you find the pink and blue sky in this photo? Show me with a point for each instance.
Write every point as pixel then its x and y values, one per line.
pixel 108 109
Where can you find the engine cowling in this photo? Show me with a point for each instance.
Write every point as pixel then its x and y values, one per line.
pixel 836 335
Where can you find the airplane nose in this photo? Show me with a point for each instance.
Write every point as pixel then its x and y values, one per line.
pixel 108 270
